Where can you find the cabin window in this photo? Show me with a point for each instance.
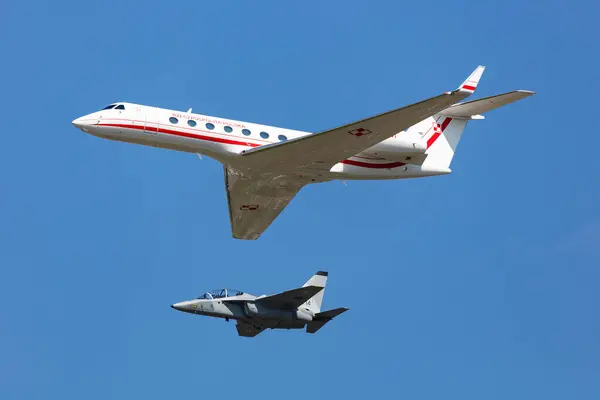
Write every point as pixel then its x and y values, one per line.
pixel 246 132
pixel 120 107
pixel 283 138
pixel 210 126
pixel 191 122
pixel 264 135
pixel 228 129
pixel 173 120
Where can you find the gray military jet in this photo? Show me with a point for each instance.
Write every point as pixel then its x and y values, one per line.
pixel 292 309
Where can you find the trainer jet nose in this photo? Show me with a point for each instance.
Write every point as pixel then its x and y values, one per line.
pixel 182 306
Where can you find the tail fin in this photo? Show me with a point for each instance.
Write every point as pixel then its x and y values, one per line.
pixel 444 135
pixel 314 303
pixel 321 319
pixel 442 141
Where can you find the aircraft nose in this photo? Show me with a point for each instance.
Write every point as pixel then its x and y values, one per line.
pixel 79 123
pixel 85 122
pixel 179 306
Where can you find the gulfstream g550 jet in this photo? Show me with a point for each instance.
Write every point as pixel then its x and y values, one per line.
pixel 292 309
pixel 265 166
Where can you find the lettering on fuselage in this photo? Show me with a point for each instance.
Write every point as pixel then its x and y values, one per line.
pixel 205 119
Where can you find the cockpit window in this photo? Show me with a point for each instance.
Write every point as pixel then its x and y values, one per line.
pixel 219 293
pixel 109 107
pixel 120 107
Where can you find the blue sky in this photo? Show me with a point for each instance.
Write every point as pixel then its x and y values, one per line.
pixel 481 284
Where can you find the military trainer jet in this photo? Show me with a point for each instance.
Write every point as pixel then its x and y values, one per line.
pixel 292 309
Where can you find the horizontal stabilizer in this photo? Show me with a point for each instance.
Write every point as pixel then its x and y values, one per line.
pixel 330 314
pixel 322 318
pixel 476 107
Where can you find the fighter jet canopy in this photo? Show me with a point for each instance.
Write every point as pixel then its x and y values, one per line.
pixel 219 293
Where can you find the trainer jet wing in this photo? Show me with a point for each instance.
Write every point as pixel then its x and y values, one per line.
pixel 291 299
pixel 247 329
pixel 254 203
pixel 323 150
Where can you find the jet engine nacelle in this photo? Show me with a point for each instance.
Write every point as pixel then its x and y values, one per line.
pixel 253 310
pixel 405 144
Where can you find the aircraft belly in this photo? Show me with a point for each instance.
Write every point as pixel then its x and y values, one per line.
pixel 382 170
pixel 287 325
pixel 274 324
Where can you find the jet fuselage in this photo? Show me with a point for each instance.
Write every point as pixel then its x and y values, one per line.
pixel 225 140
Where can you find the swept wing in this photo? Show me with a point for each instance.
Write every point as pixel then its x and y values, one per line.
pixel 254 203
pixel 323 150
pixel 290 299
pixel 248 330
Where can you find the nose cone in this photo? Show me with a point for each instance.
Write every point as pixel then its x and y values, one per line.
pixel 182 306
pixel 83 123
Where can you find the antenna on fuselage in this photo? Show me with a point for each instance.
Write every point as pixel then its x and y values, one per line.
pixel 199 155
pixel 189 111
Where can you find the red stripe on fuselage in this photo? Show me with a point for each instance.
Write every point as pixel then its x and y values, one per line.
pixel 182 134
pixel 431 140
pixel 372 165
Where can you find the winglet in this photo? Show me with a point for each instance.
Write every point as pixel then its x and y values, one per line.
pixel 470 84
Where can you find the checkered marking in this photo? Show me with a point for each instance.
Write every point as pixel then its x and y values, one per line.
pixel 359 132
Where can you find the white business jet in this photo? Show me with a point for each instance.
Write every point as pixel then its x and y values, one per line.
pixel 266 166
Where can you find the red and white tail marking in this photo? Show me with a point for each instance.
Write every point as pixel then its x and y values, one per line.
pixel 438 130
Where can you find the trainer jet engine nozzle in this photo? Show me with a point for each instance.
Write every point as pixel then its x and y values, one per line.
pixel 293 309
